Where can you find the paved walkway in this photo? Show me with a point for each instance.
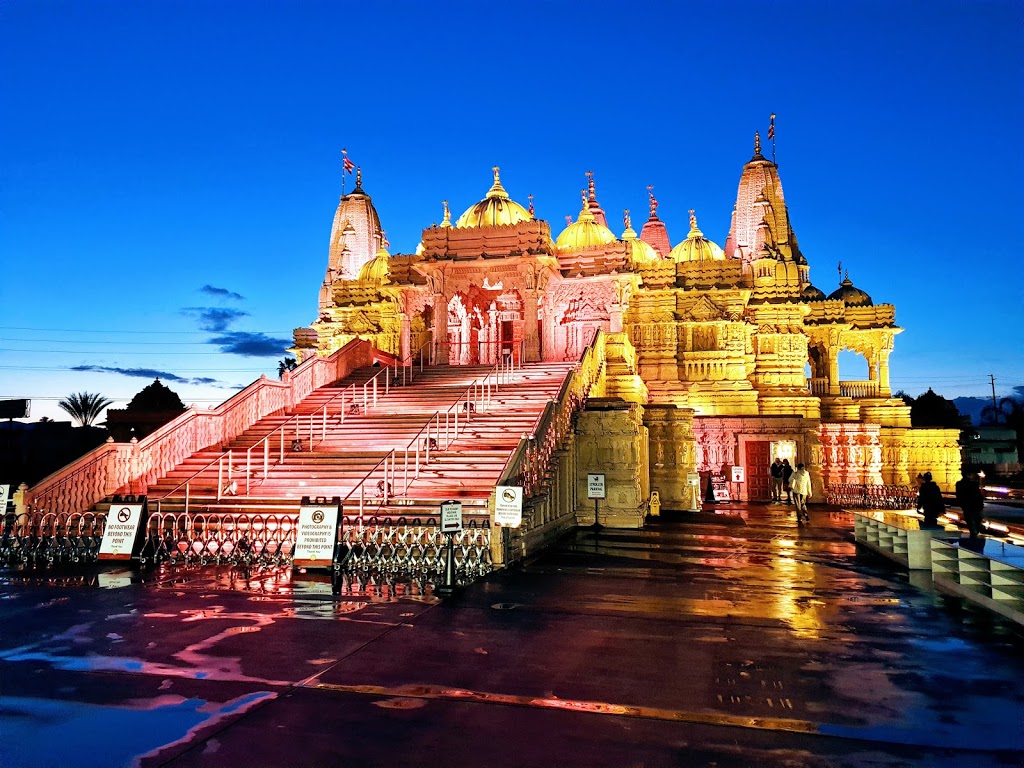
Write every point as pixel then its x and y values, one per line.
pixel 725 642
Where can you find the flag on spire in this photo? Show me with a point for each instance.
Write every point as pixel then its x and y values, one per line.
pixel 347 165
pixel 771 127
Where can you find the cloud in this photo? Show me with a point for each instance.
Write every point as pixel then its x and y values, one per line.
pixel 222 293
pixel 251 344
pixel 214 319
pixel 149 373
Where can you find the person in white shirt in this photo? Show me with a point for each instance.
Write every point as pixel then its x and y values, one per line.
pixel 800 486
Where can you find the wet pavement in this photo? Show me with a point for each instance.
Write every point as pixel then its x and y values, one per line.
pixel 739 640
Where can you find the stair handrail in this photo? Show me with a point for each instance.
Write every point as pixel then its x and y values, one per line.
pixel 226 483
pixel 530 459
pixel 132 467
pixel 385 485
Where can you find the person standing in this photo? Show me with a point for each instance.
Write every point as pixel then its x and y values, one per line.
pixel 930 502
pixel 787 473
pixel 776 472
pixel 971 502
pixel 800 487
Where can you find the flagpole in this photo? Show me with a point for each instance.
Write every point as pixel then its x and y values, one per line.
pixel 771 135
pixel 344 156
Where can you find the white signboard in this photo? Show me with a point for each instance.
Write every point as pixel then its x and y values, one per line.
pixel 451 517
pixel 738 475
pixel 315 537
pixel 595 486
pixel 5 494
pixel 120 531
pixel 693 479
pixel 508 506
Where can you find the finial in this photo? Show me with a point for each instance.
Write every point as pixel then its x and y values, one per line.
pixel 583 197
pixel 359 177
pixel 757 143
pixel 530 198
pixel 496 179
pixel 384 239
pixel 693 219
pixel 654 203
pixel 840 268
pixel 590 185
pixel 568 220
pixel 447 221
pixel 625 218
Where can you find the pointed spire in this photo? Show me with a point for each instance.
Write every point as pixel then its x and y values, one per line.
pixel 626 219
pixel 653 202
pixel 359 179
pixel 447 221
pixel 693 220
pixel 496 189
pixel 757 144
pixel 592 194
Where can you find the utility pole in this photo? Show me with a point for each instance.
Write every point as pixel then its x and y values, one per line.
pixel 995 405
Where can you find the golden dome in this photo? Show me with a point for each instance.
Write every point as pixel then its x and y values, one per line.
pixel 584 232
pixel 495 210
pixel 640 252
pixel 695 247
pixel 378 270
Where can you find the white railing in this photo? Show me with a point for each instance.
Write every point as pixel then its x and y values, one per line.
pixel 132 467
pixel 858 389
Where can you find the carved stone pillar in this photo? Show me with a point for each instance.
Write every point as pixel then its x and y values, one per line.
pixel 612 440
pixel 530 337
pixel 833 372
pixel 673 453
pixel 440 329
pixel 615 318
pixel 884 389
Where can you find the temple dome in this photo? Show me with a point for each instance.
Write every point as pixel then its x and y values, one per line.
pixel 696 247
pixel 850 294
pixel 585 232
pixel 495 210
pixel 811 293
pixel 640 252
pixel 378 270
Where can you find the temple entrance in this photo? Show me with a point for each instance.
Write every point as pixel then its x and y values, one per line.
pixel 758 457
pixel 507 337
pixel 483 323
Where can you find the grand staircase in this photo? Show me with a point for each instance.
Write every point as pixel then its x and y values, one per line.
pixel 396 454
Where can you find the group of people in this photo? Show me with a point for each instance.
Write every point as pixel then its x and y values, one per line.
pixel 796 484
pixel 968 497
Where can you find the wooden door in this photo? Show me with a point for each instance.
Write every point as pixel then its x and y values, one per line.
pixel 759 482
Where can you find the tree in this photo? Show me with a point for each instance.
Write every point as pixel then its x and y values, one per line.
pixel 286 364
pixel 1009 411
pixel 933 410
pixel 85 407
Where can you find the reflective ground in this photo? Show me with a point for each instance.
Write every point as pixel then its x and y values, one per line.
pixel 740 640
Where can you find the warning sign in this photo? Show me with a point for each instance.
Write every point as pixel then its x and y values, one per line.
pixel 316 536
pixel 5 491
pixel 718 489
pixel 508 506
pixel 120 532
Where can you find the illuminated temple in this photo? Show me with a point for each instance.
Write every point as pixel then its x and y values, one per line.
pixel 723 356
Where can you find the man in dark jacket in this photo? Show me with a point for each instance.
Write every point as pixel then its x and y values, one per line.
pixel 971 502
pixel 930 502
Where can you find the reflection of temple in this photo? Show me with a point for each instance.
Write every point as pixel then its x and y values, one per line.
pixel 722 340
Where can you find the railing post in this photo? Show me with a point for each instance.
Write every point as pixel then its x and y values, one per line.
pixel 248 469
pixel 188 496
pixel 266 457
pixel 220 476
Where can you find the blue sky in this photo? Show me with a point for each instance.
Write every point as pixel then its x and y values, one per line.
pixel 169 170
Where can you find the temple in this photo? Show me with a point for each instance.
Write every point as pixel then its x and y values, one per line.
pixel 726 357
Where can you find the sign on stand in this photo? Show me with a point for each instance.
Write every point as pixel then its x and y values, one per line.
pixel 316 537
pixel 451 517
pixel 595 486
pixel 738 475
pixel 508 506
pixel 121 532
pixel 5 495
pixel 718 488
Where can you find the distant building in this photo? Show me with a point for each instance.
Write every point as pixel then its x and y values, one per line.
pixel 993 449
pixel 712 342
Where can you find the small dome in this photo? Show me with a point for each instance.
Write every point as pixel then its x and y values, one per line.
pixel 585 232
pixel 696 247
pixel 495 210
pixel 810 293
pixel 378 270
pixel 850 295
pixel 640 252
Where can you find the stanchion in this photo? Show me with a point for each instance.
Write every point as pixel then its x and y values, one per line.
pixel 448 588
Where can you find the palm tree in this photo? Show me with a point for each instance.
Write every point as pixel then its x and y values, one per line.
pixel 85 407
pixel 286 364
